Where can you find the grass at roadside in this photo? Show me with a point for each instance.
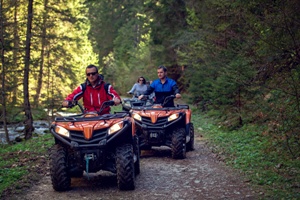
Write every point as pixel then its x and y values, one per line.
pixel 263 161
pixel 23 163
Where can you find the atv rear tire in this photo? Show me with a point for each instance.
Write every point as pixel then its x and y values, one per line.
pixel 125 167
pixel 61 180
pixel 178 144
pixel 190 145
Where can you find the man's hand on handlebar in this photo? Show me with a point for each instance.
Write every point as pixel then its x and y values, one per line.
pixel 117 101
pixel 142 97
pixel 178 96
pixel 66 103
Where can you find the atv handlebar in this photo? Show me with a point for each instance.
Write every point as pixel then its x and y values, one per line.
pixel 105 104
pixel 71 104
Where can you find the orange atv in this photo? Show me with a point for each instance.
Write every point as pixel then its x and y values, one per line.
pixel 157 125
pixel 90 142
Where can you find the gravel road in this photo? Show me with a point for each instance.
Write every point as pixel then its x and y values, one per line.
pixel 200 176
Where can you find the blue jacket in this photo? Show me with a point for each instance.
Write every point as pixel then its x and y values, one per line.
pixel 163 90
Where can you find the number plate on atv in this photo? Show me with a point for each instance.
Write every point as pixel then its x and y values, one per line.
pixel 153 135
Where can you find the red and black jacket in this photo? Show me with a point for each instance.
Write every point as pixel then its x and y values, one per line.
pixel 93 97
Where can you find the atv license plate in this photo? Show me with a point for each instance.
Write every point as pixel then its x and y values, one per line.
pixel 153 135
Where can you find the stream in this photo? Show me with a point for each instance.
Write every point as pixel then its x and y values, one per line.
pixel 16 130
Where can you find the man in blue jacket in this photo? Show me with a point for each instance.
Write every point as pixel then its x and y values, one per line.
pixel 163 87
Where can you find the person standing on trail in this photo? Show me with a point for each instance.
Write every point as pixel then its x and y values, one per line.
pixel 94 92
pixel 139 87
pixel 163 87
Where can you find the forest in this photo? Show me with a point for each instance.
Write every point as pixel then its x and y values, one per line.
pixel 235 61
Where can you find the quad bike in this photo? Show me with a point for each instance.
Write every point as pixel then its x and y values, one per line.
pixel 90 142
pixel 157 125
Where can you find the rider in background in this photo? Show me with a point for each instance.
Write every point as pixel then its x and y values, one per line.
pixel 94 92
pixel 139 87
pixel 162 87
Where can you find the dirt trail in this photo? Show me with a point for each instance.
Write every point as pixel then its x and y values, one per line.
pixel 199 176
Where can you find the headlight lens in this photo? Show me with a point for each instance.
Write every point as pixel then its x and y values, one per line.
pixel 62 131
pixel 116 127
pixel 137 116
pixel 173 117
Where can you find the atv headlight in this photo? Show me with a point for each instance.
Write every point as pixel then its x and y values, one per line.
pixel 137 116
pixel 173 117
pixel 116 127
pixel 62 131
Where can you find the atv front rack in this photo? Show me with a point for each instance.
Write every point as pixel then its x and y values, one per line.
pixel 81 118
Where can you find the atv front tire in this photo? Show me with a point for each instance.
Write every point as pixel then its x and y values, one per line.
pixel 137 153
pixel 61 180
pixel 178 144
pixel 125 167
pixel 190 145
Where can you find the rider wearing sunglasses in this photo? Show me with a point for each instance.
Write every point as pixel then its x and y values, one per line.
pixel 139 87
pixel 94 92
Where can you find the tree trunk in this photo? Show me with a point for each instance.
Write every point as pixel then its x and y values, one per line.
pixel 3 92
pixel 40 75
pixel 15 52
pixel 29 120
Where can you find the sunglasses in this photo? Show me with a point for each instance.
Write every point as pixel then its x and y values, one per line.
pixel 141 80
pixel 92 73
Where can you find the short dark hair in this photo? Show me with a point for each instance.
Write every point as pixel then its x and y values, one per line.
pixel 92 66
pixel 144 80
pixel 162 67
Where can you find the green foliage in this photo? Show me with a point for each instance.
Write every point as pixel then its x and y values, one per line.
pixel 257 155
pixel 19 159
pixel 60 50
pixel 117 108
pixel 242 64
pixel 16 114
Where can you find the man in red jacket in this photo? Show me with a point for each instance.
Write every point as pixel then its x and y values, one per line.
pixel 94 92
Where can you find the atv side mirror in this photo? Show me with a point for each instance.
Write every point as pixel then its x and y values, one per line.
pixel 105 105
pixel 167 99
